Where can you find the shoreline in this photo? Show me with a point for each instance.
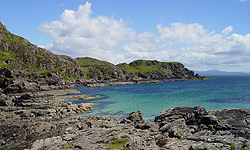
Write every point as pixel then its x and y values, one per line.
pixel 174 128
pixel 119 83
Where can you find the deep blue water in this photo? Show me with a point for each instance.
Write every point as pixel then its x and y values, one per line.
pixel 218 93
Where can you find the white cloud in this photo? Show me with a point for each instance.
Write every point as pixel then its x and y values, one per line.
pixel 227 30
pixel 243 0
pixel 78 34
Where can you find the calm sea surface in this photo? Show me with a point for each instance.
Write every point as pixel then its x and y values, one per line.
pixel 120 101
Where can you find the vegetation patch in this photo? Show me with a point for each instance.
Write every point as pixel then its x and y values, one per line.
pixel 48 71
pixel 24 44
pixel 68 146
pixel 4 65
pixel 7 55
pixel 34 68
pixel 86 62
pixel 7 36
pixel 117 144
pixel 65 76
pixel 10 38
pixel 38 55
pixel 232 146
pixel 42 148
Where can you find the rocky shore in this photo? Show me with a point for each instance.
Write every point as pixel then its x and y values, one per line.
pixel 31 115
pixel 191 128
pixel 33 121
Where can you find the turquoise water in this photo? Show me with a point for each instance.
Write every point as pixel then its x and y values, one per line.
pixel 120 101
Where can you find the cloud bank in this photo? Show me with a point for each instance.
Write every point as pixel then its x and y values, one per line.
pixel 79 35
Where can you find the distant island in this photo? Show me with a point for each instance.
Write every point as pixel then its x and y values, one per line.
pixel 221 73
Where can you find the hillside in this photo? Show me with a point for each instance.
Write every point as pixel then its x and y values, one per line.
pixel 155 70
pixel 25 66
pixel 100 70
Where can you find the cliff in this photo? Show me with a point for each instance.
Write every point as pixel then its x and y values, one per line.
pixel 155 70
pixel 25 66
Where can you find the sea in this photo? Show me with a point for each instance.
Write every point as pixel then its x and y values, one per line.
pixel 119 101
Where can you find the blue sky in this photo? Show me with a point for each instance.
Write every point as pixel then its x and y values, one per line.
pixel 201 34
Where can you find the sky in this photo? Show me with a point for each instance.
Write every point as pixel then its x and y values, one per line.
pixel 201 34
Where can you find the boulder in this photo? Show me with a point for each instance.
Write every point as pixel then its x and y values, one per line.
pixel 192 115
pixel 176 128
pixel 134 118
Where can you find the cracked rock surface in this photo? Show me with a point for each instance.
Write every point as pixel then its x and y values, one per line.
pixel 180 128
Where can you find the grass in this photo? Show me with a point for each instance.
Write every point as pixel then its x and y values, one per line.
pixel 9 55
pixel 38 55
pixel 86 62
pixel 34 68
pixel 65 76
pixel 117 144
pixel 232 146
pixel 13 38
pixel 4 65
pixel 47 71
pixel 42 148
pixel 6 56
pixel 24 44
pixel 68 146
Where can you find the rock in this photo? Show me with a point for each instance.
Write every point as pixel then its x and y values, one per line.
pixel 51 143
pixel 209 119
pixel 68 129
pixel 135 118
pixel 232 116
pixel 176 128
pixel 151 126
pixel 5 76
pixel 192 115
pixel 234 120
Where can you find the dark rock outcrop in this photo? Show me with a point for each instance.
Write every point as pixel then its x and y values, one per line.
pixel 134 118
pixel 27 117
pixel 194 126
pixel 175 128
pixel 188 128
pixel 27 67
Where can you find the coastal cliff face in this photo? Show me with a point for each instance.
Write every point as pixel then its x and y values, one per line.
pixel 25 66
pixel 155 70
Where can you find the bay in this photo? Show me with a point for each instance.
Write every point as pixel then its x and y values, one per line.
pixel 216 94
